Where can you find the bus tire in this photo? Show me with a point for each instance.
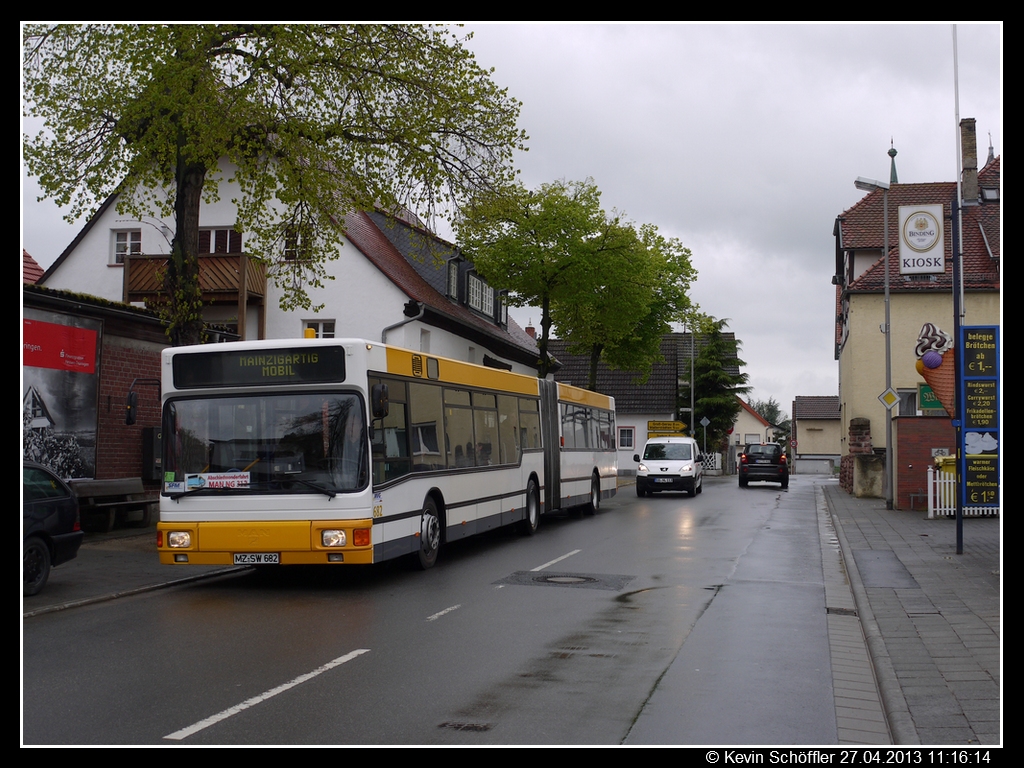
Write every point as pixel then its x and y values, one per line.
pixel 528 525
pixel 430 535
pixel 595 497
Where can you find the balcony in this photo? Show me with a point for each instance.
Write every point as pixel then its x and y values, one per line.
pixel 228 281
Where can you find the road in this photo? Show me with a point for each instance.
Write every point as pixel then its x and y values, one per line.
pixel 659 620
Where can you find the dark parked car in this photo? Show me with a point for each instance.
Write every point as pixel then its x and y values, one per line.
pixel 53 531
pixel 764 461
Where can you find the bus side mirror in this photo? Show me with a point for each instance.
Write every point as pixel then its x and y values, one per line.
pixel 129 408
pixel 379 401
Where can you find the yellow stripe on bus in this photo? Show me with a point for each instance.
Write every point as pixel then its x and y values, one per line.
pixel 401 362
pixel 571 394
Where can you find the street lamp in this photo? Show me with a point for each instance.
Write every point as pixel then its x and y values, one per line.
pixel 870 185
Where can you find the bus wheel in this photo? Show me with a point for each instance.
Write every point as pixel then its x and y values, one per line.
pixel 528 525
pixel 430 535
pixel 595 497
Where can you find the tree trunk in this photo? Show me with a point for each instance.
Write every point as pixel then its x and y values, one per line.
pixel 595 358
pixel 184 293
pixel 544 363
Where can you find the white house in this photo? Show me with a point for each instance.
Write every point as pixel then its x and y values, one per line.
pixel 393 281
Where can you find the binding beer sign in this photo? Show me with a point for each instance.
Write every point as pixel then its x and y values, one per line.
pixel 922 241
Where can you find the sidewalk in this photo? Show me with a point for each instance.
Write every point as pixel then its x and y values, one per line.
pixel 110 565
pixel 931 617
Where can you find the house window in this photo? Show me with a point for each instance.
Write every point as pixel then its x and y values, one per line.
pixel 127 243
pixel 322 329
pixel 908 402
pixel 481 296
pixel 220 241
pixel 626 441
pixel 453 279
pixel 296 245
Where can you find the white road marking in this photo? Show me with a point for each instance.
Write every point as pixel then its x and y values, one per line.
pixel 186 732
pixel 439 614
pixel 557 559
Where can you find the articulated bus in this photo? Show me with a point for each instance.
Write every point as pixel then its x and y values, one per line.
pixel 350 451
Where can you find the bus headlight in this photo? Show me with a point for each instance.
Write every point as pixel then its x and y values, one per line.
pixel 332 538
pixel 179 539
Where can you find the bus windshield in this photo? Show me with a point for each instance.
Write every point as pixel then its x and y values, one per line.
pixel 290 443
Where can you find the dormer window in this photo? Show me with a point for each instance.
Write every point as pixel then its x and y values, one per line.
pixel 453 280
pixel 481 296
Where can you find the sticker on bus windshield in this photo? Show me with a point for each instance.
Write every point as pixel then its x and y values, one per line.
pixel 217 480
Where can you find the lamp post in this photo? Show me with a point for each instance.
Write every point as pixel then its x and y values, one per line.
pixel 870 185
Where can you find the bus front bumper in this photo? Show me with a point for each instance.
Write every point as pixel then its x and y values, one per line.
pixel 265 542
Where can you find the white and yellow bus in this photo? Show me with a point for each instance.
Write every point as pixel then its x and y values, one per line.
pixel 350 451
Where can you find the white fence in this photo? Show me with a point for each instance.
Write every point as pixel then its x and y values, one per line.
pixel 712 463
pixel 942 497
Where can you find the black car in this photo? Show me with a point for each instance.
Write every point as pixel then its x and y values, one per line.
pixel 53 530
pixel 764 461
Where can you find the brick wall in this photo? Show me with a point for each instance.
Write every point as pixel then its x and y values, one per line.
pixel 119 447
pixel 916 436
pixel 858 442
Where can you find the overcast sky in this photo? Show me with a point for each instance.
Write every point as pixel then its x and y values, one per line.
pixel 742 141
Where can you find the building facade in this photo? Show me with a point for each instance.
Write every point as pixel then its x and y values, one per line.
pixel 915 299
pixel 392 280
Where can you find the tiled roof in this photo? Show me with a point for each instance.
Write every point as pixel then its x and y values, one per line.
pixel 684 342
pixel 816 407
pixel 657 395
pixel 406 257
pixel 860 229
pixel 30 269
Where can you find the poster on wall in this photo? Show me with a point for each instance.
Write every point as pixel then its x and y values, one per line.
pixel 59 391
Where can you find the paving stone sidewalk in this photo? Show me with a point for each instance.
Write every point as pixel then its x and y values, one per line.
pixel 931 618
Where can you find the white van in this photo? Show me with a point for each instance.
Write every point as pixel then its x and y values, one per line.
pixel 669 464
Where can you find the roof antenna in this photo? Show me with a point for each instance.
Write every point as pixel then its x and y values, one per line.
pixel 892 166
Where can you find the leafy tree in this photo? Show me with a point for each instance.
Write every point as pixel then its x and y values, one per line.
pixel 771 411
pixel 636 294
pixel 312 120
pixel 609 288
pixel 715 388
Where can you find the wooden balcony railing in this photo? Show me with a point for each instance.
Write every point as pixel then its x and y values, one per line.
pixel 225 279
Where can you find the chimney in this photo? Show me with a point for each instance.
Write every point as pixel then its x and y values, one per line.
pixel 969 151
pixel 531 331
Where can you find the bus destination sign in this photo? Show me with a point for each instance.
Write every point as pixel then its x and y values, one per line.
pixel 252 368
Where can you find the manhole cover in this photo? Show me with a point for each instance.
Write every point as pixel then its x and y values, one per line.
pixel 565 579
pixel 609 581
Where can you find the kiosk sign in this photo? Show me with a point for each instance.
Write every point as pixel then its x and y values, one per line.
pixel 922 244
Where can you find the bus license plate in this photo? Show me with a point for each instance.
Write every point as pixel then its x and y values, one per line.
pixel 258 558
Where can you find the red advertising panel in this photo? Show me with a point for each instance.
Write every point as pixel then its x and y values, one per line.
pixel 60 347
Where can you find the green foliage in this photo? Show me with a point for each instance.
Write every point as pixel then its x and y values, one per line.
pixel 307 122
pixel 715 388
pixel 771 411
pixel 611 289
